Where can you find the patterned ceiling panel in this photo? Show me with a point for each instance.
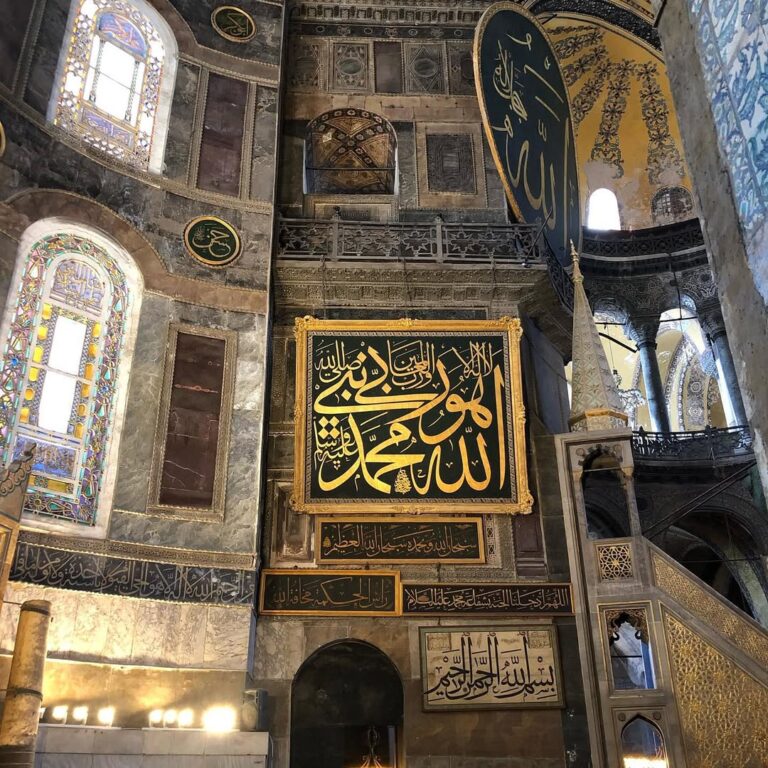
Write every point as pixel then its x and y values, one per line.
pixel 350 151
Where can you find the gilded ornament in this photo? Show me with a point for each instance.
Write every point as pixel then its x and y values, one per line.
pixel 233 23
pixel 212 241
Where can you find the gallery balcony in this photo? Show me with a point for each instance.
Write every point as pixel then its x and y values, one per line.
pixel 707 447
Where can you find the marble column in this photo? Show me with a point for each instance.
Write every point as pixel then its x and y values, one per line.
pixel 644 335
pixel 712 323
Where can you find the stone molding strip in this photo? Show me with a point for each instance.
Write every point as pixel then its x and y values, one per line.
pixel 147 579
pixel 131 551
pixel 26 207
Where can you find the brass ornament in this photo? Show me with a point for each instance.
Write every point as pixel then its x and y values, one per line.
pixel 233 23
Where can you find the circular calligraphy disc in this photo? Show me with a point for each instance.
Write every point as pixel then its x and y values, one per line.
pixel 233 23
pixel 212 241
pixel 527 119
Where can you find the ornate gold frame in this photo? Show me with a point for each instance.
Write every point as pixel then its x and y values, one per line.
pixel 398 608
pixel 513 327
pixel 215 513
pixel 226 35
pixel 477 521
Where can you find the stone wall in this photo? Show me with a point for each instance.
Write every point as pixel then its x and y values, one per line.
pixel 733 263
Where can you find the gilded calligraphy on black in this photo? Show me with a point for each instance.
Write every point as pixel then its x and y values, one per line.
pixel 527 118
pixel 487 599
pixel 330 592
pixel 410 416
pixel 489 668
pixel 441 540
pixel 212 241
pixel 233 23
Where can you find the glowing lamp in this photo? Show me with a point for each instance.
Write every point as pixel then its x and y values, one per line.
pixel 645 762
pixel 219 719
pixel 106 716
pixel 169 718
pixel 59 713
pixel 155 718
pixel 80 714
pixel 186 718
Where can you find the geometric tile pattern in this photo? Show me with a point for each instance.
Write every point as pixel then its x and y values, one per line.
pixel 614 562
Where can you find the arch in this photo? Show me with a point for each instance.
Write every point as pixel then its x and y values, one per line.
pixel 346 704
pixel 642 744
pixel 115 79
pixel 605 498
pixel 350 152
pixel 671 204
pixel 603 210
pixel 69 329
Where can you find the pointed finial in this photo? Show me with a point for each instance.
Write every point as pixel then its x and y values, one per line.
pixel 577 276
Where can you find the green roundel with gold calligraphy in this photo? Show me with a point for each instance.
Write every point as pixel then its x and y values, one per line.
pixel 212 241
pixel 527 119
pixel 233 23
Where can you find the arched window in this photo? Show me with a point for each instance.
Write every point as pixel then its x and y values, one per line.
pixel 115 79
pixel 642 745
pixel 68 319
pixel 671 204
pixel 349 152
pixel 603 210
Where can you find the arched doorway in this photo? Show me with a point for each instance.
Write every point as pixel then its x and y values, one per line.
pixel 346 708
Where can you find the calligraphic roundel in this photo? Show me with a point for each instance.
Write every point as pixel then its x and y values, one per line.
pixel 527 119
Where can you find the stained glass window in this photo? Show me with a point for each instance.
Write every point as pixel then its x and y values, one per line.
pixel 59 373
pixel 114 74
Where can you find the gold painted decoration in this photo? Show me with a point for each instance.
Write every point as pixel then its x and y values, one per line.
pixel 291 591
pixel 527 118
pixel 212 241
pixel 400 540
pixel 409 416
pixel 3 143
pixel 233 23
pixel 496 667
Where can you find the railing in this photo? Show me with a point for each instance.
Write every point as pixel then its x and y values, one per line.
pixel 425 242
pixel 666 240
pixel 707 445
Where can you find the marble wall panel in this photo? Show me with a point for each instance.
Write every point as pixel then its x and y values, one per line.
pixel 46 56
pixel 182 121
pixel 104 628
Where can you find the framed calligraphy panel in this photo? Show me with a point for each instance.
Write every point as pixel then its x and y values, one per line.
pixel 497 667
pixel 527 118
pixel 409 416
pixel 400 540
pixel 291 591
pixel 487 599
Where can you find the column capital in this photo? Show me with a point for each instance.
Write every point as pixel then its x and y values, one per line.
pixel 711 319
pixel 642 332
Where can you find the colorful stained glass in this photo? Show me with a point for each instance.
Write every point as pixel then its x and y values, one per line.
pixel 120 30
pixel 61 286
pixel 103 28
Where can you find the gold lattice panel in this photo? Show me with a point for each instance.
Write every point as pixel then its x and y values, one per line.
pixel 711 611
pixel 722 708
pixel 614 562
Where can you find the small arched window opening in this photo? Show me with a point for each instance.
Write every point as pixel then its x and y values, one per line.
pixel 350 152
pixel 64 371
pixel 671 204
pixel 603 210
pixel 630 649
pixel 642 745
pixel 605 498
pixel 115 80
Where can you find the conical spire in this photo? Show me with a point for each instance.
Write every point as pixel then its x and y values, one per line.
pixel 595 401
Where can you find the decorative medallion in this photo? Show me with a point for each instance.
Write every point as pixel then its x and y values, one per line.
pixel 2 140
pixel 212 241
pixel 233 23
pixel 527 119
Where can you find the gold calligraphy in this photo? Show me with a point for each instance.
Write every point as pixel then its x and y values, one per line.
pixel 487 599
pixel 212 241
pixel 233 23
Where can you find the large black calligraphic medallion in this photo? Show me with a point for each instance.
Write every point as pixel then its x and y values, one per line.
pixel 527 119
pixel 233 23
pixel 328 593
pixel 400 540
pixel 487 599
pixel 212 241
pixel 411 415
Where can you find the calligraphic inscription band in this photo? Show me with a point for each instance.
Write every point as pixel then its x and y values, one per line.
pixel 527 119
pixel 212 241
pixel 409 416
pixel 497 667
pixel 401 540
pixel 487 599
pixel 329 593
